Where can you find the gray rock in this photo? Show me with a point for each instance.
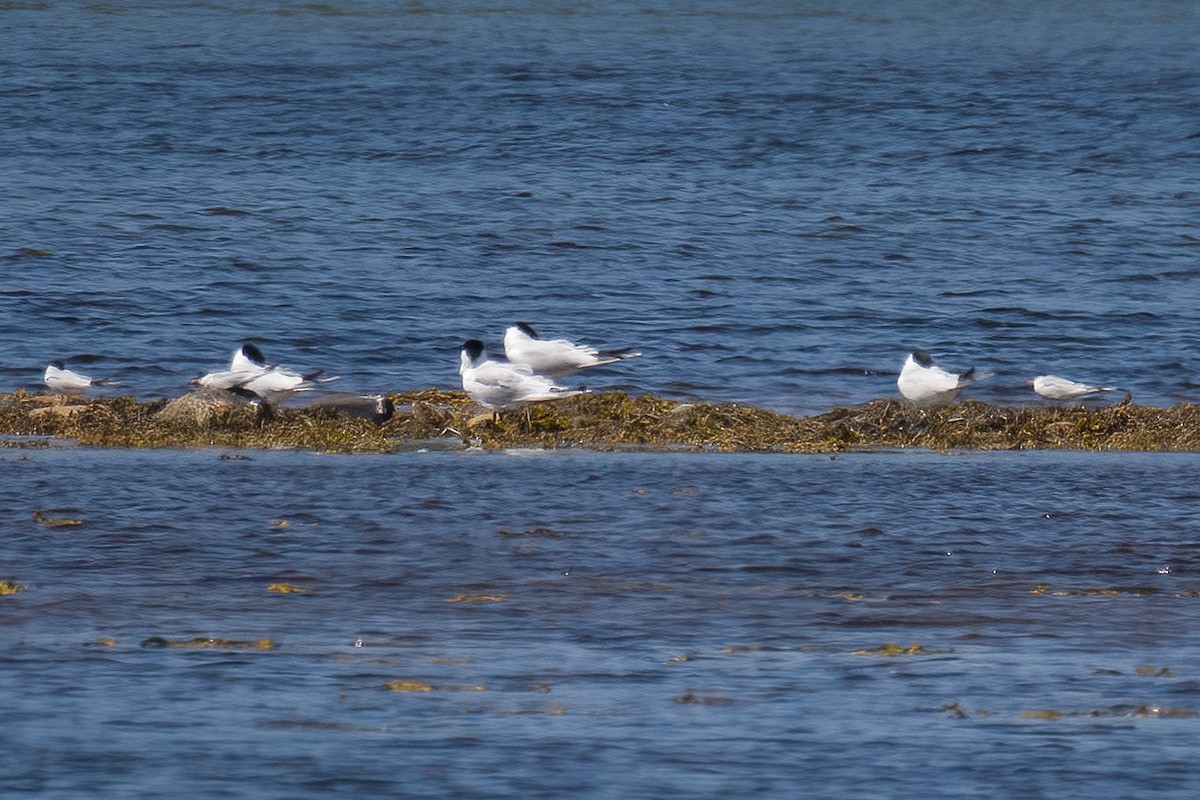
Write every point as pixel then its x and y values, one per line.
pixel 375 407
pixel 208 407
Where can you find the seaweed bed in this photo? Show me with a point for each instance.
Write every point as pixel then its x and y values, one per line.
pixel 600 421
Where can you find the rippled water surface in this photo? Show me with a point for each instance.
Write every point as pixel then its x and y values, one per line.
pixel 774 202
pixel 607 625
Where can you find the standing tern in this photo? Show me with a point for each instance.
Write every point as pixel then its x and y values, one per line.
pixel 500 386
pixel 925 383
pixel 555 358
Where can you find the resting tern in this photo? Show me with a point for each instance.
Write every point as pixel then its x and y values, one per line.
pixel 500 386
pixel 249 373
pixel 1053 387
pixel 925 383
pixel 246 365
pixel 61 380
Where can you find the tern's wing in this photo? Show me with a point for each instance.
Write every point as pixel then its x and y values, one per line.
pixel 565 347
pixel 945 381
pixel 515 378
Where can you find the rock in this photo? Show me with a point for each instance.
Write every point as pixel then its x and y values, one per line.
pixel 375 407
pixel 208 407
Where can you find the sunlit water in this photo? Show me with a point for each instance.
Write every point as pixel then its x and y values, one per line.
pixel 772 201
pixel 608 625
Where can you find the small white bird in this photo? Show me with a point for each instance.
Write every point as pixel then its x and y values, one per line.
pixel 249 373
pixel 925 383
pixel 61 380
pixel 277 384
pixel 1053 387
pixel 228 379
pixel 555 358
pixel 246 365
pixel 500 386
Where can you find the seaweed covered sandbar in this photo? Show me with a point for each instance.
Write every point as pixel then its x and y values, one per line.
pixel 600 421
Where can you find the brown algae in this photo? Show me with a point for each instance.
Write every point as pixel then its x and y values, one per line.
pixel 286 588
pixel 601 421
pixel 1145 710
pixel 42 518
pixel 890 649
pixel 421 687
pixel 477 598
pixel 209 643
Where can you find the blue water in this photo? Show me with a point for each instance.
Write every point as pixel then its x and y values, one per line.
pixel 773 202
pixel 653 625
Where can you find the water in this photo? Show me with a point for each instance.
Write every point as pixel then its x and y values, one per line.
pixel 774 202
pixel 625 625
